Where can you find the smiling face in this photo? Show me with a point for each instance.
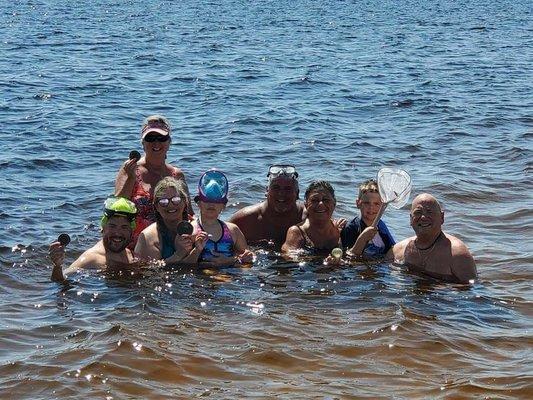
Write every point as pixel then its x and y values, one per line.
pixel 369 204
pixel 282 194
pixel 320 205
pixel 156 144
pixel 169 207
pixel 116 233
pixel 426 215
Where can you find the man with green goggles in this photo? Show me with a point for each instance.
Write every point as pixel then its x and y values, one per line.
pixel 111 252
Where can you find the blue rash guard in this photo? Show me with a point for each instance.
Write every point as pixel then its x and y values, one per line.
pixel 352 230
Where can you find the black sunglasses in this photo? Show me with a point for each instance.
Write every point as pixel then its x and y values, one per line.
pixel 156 138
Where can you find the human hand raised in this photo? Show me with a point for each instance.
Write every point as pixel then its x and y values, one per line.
pixel 129 167
pixel 56 252
pixel 183 243
pixel 200 240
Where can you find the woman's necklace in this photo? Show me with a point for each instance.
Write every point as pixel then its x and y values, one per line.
pixel 430 248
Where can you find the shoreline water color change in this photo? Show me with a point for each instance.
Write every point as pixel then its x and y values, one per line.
pixel 340 89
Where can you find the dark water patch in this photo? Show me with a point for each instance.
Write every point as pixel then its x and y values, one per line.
pixel 30 164
pixel 42 96
pixel 402 103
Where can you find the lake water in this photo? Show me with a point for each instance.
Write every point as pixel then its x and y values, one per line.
pixel 340 89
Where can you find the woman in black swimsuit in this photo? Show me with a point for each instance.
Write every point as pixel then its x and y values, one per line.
pixel 317 232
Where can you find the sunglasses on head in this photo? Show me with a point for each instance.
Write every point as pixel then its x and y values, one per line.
pixel 282 169
pixel 164 202
pixel 156 138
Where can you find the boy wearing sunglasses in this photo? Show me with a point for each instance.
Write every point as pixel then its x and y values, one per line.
pixel 270 219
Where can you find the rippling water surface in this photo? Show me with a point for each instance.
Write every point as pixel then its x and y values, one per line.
pixel 339 88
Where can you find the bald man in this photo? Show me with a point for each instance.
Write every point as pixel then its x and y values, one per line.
pixel 431 251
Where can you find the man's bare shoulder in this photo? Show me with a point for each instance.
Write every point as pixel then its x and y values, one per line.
pixel 397 252
pixel 248 214
pixel 90 258
pixel 457 245
pixel 462 263
pixel 400 246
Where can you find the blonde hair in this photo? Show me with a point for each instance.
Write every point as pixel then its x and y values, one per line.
pixel 368 186
pixel 156 119
pixel 178 185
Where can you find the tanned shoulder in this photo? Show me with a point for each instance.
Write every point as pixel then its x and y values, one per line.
pixel 247 214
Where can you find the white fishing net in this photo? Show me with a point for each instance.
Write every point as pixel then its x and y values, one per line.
pixel 394 186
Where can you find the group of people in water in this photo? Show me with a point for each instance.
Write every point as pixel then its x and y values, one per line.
pixel 151 220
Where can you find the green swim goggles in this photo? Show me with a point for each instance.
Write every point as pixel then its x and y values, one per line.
pixel 119 206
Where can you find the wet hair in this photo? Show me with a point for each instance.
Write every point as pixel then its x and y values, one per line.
pixel 368 186
pixel 319 185
pixel 180 187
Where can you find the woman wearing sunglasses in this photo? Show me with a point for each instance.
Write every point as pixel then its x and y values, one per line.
pixel 162 240
pixel 137 178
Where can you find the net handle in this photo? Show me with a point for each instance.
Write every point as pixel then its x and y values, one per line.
pixel 379 214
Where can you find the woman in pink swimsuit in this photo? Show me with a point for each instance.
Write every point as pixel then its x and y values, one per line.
pixel 136 179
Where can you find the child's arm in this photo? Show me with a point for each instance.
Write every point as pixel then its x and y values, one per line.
pixel 200 239
pixel 244 255
pixel 362 240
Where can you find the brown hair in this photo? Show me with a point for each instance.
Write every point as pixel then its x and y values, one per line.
pixel 320 185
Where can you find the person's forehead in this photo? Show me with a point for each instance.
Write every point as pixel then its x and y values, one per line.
pixel 320 192
pixel 170 191
pixel 118 219
pixel 283 181
pixel 210 203
pixel 370 196
pixel 426 204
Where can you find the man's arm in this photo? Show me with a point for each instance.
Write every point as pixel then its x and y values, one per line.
pixel 397 252
pixel 463 264
pixel 57 255
pixel 244 255
pixel 362 240
pixel 245 218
